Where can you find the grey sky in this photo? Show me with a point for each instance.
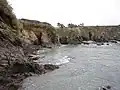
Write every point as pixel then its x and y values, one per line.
pixel 89 12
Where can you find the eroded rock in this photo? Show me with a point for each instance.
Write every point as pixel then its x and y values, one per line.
pixel 50 67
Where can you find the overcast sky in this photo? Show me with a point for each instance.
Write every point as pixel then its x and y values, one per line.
pixel 89 12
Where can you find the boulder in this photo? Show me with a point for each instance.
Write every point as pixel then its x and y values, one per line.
pixel 113 41
pixel 51 67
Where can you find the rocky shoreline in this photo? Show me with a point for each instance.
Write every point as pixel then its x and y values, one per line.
pixel 13 72
pixel 19 38
pixel 78 34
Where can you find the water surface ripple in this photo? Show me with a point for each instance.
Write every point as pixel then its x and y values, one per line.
pixel 85 67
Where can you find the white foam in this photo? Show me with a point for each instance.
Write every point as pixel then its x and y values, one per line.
pixel 90 42
pixel 63 60
pixel 118 42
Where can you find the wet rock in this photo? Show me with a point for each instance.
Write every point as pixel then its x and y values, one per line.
pixel 35 58
pixel 13 87
pixel 51 67
pixel 15 76
pixel 98 44
pixel 2 88
pixel 4 81
pixel 27 67
pixel 11 78
pixel 102 43
pixel 113 41
pixel 86 43
pixel 104 89
pixel 20 68
pixel 27 74
pixel 108 87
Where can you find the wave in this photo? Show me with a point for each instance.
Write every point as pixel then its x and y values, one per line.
pixel 63 60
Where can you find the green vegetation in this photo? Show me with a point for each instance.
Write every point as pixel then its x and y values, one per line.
pixel 6 14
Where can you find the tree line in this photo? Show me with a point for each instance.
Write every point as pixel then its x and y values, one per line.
pixel 70 25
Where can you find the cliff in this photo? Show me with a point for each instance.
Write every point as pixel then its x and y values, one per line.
pixel 27 31
pixel 39 32
pixel 19 38
pixel 76 35
pixel 16 37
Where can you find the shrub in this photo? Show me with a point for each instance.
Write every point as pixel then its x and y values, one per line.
pixel 6 14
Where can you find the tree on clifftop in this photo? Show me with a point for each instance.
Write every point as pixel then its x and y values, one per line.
pixel 60 25
pixel 82 24
pixel 70 25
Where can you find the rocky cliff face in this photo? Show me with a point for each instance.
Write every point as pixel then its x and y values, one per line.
pixel 102 33
pixel 16 37
pixel 83 33
pixel 40 32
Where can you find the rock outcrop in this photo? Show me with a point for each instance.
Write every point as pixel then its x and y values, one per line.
pixel 78 34
pixel 40 32
pixel 69 35
pixel 18 39
pixel 15 38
